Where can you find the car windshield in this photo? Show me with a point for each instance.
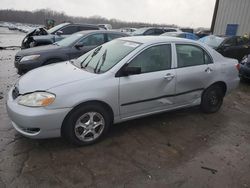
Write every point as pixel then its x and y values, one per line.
pixel 103 58
pixel 57 27
pixel 212 41
pixel 69 40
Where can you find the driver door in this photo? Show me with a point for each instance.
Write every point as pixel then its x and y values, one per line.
pixel 153 89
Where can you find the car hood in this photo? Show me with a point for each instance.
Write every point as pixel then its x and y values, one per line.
pixel 39 50
pixel 51 76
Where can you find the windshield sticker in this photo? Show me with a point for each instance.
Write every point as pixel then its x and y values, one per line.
pixel 131 44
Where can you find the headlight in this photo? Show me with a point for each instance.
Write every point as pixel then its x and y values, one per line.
pixel 36 99
pixel 30 57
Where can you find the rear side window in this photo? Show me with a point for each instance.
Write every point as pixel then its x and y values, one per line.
pixel 153 59
pixel 190 55
pixel 83 28
pixel 69 30
pixel 112 36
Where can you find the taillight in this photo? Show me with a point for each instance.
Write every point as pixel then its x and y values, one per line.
pixel 238 66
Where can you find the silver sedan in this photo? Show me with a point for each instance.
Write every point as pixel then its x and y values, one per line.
pixel 121 80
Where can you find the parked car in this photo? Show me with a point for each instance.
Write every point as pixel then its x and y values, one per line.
pixel 121 80
pixel 128 30
pixel 181 35
pixel 69 48
pixel 148 31
pixel 203 33
pixel 244 68
pixel 105 26
pixel 171 29
pixel 234 47
pixel 40 36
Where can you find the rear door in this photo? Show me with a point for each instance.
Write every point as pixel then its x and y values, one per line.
pixel 153 90
pixel 194 72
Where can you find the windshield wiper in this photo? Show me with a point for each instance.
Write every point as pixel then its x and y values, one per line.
pixel 103 60
pixel 92 55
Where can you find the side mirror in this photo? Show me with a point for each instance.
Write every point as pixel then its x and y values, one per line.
pixel 59 32
pixel 131 71
pixel 78 46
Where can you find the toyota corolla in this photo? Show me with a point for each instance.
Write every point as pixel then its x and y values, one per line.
pixel 121 80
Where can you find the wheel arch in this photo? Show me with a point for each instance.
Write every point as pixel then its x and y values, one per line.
pixel 221 84
pixel 92 102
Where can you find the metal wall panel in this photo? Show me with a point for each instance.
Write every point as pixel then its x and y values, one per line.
pixel 233 12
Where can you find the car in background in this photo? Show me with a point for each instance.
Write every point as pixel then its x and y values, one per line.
pixel 40 36
pixel 69 48
pixel 203 33
pixel 148 31
pixel 244 68
pixel 233 47
pixel 181 35
pixel 171 29
pixel 105 26
pixel 121 80
pixel 128 30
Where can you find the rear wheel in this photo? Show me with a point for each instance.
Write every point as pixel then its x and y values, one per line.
pixel 212 99
pixel 86 125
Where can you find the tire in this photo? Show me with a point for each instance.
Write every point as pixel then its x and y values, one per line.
pixel 212 99
pixel 79 121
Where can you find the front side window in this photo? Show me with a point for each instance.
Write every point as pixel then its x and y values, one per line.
pixel 158 31
pixel 69 40
pixel 150 32
pixel 230 42
pixel 93 40
pixel 190 55
pixel 69 30
pixel 153 59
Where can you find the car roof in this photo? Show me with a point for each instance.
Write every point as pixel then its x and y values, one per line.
pixel 85 32
pixel 155 39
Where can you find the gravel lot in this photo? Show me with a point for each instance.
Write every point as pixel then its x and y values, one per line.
pixel 185 148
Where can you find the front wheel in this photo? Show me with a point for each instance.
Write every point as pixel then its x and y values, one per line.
pixel 86 124
pixel 212 99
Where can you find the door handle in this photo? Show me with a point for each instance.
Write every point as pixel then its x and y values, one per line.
pixel 169 76
pixel 208 70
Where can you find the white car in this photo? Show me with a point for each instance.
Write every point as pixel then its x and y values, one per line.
pixel 121 80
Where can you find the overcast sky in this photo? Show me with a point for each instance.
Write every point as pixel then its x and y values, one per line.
pixel 193 13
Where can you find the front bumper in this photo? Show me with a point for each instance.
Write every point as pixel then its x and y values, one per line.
pixel 36 122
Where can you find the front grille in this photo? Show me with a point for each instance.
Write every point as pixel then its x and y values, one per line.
pixel 15 93
pixel 17 58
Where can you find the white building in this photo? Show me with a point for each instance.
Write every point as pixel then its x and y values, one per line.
pixel 231 17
